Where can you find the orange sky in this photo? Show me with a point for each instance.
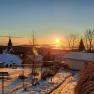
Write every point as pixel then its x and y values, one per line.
pixel 28 41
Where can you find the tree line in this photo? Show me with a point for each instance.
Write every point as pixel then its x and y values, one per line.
pixel 83 42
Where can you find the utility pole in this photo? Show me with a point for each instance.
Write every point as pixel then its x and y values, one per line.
pixel 33 66
pixel 2 83
pixel 33 38
pixel 23 78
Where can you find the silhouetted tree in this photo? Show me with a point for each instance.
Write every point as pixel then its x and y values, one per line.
pixel 81 45
pixel 72 40
pixel 89 35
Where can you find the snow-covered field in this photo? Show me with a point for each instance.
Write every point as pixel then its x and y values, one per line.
pixel 15 85
pixel 45 86
pixel 13 82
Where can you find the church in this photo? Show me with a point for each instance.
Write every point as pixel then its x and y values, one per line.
pixel 9 48
pixel 8 57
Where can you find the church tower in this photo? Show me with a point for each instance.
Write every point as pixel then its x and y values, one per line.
pixel 9 44
pixel 9 49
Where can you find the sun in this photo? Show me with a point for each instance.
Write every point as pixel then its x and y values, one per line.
pixel 57 42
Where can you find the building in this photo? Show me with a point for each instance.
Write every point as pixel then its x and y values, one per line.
pixel 77 60
pixel 8 58
pixel 9 48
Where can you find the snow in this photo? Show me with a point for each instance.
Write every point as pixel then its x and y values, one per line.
pixel 10 59
pixel 15 85
pixel 70 85
pixel 60 76
pixel 79 56
pixel 46 86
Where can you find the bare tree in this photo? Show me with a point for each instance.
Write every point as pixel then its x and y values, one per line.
pixel 86 41
pixel 89 35
pixel 71 39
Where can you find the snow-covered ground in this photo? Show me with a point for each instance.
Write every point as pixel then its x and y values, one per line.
pixel 68 85
pixel 15 85
pixel 13 82
pixel 45 86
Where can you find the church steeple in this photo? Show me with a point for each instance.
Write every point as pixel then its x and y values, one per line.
pixel 9 43
pixel 9 48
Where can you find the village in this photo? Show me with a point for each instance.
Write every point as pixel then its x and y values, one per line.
pixel 46 47
pixel 40 70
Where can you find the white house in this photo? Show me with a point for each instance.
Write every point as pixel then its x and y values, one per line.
pixel 77 60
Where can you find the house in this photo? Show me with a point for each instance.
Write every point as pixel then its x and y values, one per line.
pixel 77 60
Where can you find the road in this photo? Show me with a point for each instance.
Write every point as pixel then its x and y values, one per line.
pixel 62 85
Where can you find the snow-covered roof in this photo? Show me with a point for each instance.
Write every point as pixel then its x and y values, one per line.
pixel 10 59
pixel 79 56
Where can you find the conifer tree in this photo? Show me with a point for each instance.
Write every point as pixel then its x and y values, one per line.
pixel 81 45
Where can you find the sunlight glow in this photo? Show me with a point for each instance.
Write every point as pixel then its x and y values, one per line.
pixel 57 42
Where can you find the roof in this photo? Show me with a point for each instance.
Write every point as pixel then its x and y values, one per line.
pixel 10 59
pixel 79 56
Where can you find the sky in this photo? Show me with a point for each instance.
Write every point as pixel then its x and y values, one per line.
pixel 49 19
